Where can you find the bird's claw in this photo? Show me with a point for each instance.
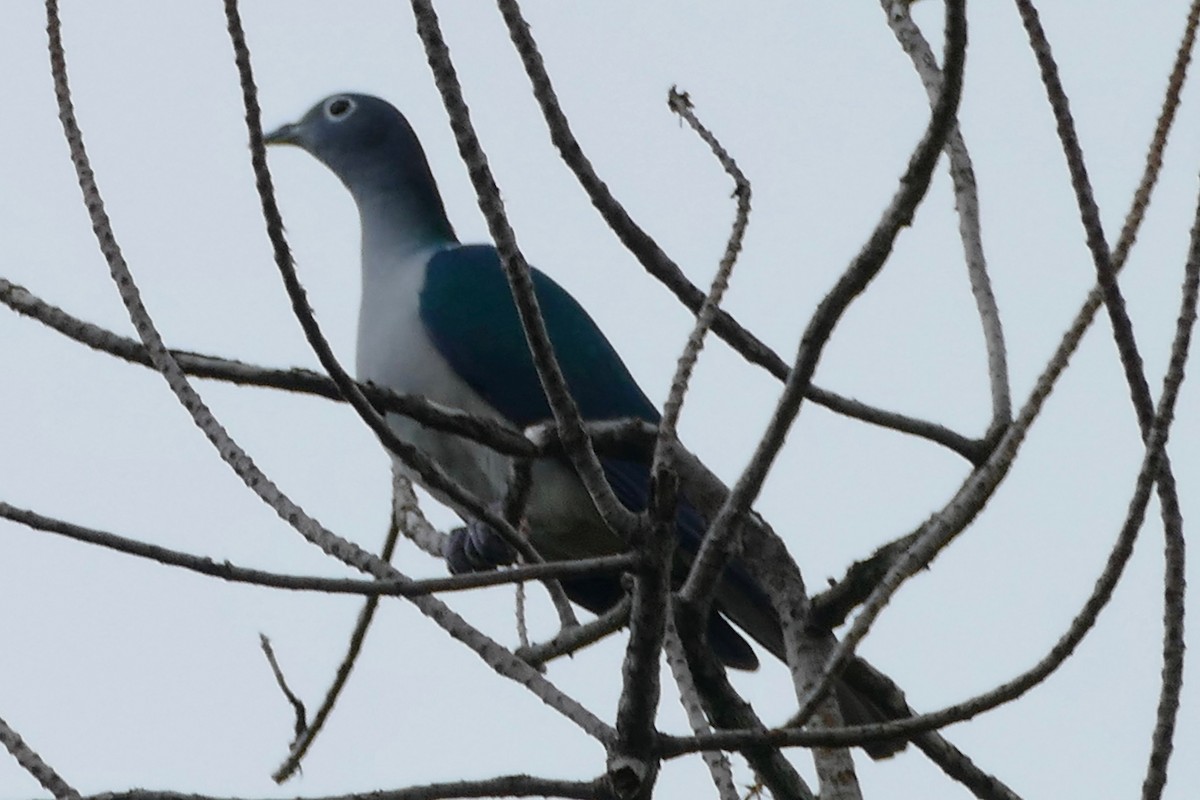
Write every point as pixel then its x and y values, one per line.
pixel 476 547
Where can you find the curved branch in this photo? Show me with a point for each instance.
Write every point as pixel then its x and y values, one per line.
pixel 966 197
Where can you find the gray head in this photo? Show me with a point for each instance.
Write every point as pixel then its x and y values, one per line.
pixel 371 147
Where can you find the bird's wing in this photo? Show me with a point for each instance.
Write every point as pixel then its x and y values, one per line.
pixel 468 311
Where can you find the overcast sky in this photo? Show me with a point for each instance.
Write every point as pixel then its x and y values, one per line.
pixel 123 673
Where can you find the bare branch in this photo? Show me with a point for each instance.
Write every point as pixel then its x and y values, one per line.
pixel 716 761
pixel 503 786
pixel 804 651
pixel 681 104
pixel 1083 621
pixel 859 582
pixel 1108 579
pixel 307 734
pixel 1139 387
pixel 635 239
pixel 301 724
pixel 32 763
pixel 630 764
pixel 491 432
pixel 1114 301
pixel 410 520
pixel 390 586
pixel 966 196
pixel 571 640
pixel 831 607
pixel 913 185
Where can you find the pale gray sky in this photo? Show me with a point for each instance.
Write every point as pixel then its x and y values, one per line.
pixel 124 673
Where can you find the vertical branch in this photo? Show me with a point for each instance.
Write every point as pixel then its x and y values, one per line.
pixel 572 435
pixel 1114 301
pixel 716 761
pixel 806 652
pixel 966 196
pixel 681 104
pixel 1174 578
pixel 632 763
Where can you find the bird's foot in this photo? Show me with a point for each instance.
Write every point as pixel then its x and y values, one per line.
pixel 476 547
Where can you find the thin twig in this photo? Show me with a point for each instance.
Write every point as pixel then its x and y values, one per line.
pixel 301 714
pixel 516 498
pixel 307 734
pixel 681 104
pixel 410 520
pixel 391 586
pixel 485 430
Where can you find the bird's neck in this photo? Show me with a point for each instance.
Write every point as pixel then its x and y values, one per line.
pixel 397 225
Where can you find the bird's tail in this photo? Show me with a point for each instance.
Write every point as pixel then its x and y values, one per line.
pixel 860 690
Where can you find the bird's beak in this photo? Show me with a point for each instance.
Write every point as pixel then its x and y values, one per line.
pixel 284 134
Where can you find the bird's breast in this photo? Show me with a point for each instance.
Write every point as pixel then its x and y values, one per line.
pixel 394 351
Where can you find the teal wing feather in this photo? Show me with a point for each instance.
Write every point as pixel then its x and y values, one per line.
pixel 468 311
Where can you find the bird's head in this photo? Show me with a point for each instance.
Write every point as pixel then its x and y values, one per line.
pixel 361 138
pixel 371 147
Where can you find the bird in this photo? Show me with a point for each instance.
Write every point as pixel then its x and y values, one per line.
pixel 437 319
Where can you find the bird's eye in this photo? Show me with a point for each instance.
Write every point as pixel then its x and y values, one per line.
pixel 339 108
